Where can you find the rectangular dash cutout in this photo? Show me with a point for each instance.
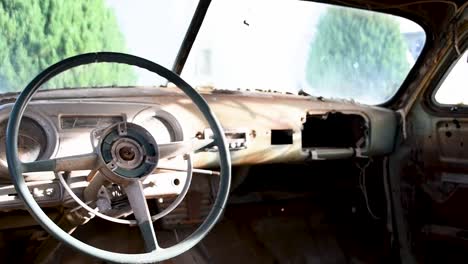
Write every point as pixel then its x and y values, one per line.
pixel 282 136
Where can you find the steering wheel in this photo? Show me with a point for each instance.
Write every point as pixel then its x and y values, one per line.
pixel 118 165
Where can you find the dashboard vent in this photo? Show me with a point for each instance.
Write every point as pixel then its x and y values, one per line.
pixel 74 122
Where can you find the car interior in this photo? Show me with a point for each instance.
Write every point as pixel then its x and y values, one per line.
pixel 250 131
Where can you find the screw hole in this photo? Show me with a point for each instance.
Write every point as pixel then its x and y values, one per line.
pixel 176 182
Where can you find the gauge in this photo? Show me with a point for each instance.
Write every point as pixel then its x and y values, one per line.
pixel 160 124
pixel 158 128
pixel 32 140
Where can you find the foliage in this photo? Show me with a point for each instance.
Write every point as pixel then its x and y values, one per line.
pixel 356 52
pixel 36 34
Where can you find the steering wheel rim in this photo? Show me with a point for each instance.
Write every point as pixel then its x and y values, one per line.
pixel 16 166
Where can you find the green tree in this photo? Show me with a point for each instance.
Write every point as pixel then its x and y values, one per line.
pixel 36 34
pixel 357 54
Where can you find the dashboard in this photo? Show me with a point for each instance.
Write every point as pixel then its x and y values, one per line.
pixel 260 128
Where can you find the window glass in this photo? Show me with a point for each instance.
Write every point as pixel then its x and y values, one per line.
pixel 454 88
pixel 290 45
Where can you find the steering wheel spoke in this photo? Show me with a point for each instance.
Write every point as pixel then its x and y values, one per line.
pixel 137 200
pixel 70 163
pixel 177 148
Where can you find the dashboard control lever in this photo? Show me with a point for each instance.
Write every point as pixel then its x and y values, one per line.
pixel 236 139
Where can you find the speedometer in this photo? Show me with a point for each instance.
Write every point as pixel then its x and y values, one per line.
pixel 32 140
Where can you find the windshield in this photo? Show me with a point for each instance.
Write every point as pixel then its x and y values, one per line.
pixel 36 34
pixel 283 45
pixel 290 45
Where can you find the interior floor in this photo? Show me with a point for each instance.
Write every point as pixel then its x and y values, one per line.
pixel 282 232
pixel 270 220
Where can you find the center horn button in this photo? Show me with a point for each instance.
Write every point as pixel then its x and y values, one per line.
pixel 128 151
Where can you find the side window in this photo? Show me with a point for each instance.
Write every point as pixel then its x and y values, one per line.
pixel 454 88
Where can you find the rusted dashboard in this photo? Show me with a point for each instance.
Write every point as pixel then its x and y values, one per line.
pixel 260 127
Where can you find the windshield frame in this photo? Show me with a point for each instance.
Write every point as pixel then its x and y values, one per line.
pixel 190 35
pixel 187 44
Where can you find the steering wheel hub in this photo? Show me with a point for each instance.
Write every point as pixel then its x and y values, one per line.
pixel 129 152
